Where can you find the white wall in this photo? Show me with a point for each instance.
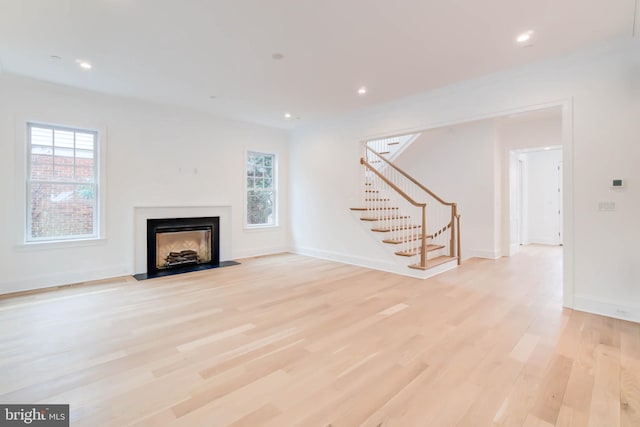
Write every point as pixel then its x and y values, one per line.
pixel 537 129
pixel 600 93
pixel 323 186
pixel 156 157
pixel 470 147
pixel 542 200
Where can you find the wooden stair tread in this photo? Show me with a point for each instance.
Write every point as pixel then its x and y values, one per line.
pixel 386 229
pixel 434 262
pixel 393 143
pixel 384 152
pixel 390 208
pixel 406 239
pixel 386 218
pixel 387 208
pixel 416 251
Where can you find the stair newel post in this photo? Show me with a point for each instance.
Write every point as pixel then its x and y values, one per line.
pixel 423 247
pixel 459 250
pixel 454 214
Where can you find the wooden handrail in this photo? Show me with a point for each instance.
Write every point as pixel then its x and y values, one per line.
pixel 392 185
pixel 410 178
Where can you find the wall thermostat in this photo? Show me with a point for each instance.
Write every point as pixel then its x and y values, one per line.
pixel 617 183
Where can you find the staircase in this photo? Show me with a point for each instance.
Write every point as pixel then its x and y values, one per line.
pixel 422 228
pixel 393 146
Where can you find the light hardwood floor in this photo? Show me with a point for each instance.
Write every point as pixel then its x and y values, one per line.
pixel 288 340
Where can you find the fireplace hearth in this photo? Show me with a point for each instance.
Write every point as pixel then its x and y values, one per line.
pixel 180 245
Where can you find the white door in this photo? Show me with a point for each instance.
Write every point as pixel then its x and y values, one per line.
pixel 515 202
pixel 543 210
pixel 559 180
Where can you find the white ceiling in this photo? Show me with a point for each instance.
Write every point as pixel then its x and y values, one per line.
pixel 182 52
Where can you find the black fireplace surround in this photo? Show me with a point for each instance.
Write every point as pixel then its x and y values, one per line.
pixel 186 260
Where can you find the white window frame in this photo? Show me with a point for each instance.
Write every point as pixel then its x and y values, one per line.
pixel 274 189
pixel 98 209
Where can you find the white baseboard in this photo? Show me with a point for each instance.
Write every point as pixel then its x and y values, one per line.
pixel 542 241
pixel 260 252
pixel 386 266
pixel 59 279
pixel 344 258
pixel 471 253
pixel 609 309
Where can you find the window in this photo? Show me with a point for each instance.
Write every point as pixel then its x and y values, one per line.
pixel 261 189
pixel 62 183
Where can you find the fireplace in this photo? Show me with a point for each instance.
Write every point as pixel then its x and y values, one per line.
pixel 177 245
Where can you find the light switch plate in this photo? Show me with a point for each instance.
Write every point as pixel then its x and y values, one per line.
pixel 606 206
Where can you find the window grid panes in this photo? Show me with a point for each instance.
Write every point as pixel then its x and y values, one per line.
pixel 62 184
pixel 261 189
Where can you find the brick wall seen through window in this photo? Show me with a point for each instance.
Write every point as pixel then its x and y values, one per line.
pixel 62 183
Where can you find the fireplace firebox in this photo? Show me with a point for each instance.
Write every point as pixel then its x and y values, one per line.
pixel 176 245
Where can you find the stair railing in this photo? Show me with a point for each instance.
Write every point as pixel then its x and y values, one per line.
pixel 389 185
pixel 379 213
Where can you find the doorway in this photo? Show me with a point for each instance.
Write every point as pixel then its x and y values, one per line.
pixel 535 197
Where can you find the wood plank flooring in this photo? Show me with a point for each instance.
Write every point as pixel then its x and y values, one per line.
pixel 288 340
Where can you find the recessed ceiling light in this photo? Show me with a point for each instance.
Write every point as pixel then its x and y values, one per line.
pixel 287 115
pixel 277 56
pixel 547 148
pixel 362 90
pixel 84 64
pixel 524 37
